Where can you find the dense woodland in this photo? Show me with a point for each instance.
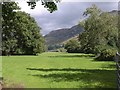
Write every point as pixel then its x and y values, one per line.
pixel 21 34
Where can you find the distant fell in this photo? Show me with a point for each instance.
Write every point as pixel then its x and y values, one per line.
pixel 61 35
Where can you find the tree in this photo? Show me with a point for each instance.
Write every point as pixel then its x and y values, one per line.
pixel 8 14
pixel 90 35
pixel 100 30
pixel 119 30
pixel 30 37
pixel 72 46
pixel 21 34
pixel 101 33
pixel 49 4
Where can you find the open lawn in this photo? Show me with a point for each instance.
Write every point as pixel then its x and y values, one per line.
pixel 58 70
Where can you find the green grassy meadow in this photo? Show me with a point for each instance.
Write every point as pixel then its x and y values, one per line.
pixel 58 70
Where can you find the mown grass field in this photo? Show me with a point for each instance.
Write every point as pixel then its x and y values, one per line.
pixel 58 70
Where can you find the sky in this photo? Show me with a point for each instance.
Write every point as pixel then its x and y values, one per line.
pixel 68 13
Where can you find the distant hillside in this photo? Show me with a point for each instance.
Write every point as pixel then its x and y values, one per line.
pixel 61 35
pixel 58 37
pixel 114 12
pixel 75 38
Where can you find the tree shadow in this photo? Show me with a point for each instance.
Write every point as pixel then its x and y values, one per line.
pixel 72 56
pixel 54 69
pixel 96 60
pixel 104 78
pixel 111 66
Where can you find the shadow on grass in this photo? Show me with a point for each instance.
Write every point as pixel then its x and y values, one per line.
pixel 104 78
pixel 72 56
pixel 54 69
pixel 96 60
pixel 111 66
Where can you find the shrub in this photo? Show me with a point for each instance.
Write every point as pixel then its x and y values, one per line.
pixel 107 55
pixel 61 50
pixel 72 46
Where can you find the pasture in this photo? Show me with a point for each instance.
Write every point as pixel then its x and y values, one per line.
pixel 58 70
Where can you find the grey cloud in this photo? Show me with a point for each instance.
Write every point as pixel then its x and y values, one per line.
pixel 67 15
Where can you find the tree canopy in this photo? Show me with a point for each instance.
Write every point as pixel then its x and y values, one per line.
pixel 21 34
pixel 49 4
pixel 100 31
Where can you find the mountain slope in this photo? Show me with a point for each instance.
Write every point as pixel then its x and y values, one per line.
pixel 61 35
pixel 114 12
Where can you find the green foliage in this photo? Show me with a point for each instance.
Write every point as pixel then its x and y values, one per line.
pixel 49 4
pixel 21 34
pixel 90 37
pixel 118 30
pixel 107 55
pixel 54 47
pixel 72 46
pixel 101 31
pixel 61 50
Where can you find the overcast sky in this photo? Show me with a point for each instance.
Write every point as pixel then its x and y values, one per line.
pixel 67 15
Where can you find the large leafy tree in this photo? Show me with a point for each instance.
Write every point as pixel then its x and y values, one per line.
pixel 21 34
pixel 90 35
pixel 101 31
pixel 29 34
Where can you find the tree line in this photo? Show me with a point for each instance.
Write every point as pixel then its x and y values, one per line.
pixel 100 34
pixel 21 34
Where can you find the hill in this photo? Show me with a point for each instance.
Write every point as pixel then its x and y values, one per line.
pixel 57 38
pixel 61 35
pixel 75 38
pixel 114 12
